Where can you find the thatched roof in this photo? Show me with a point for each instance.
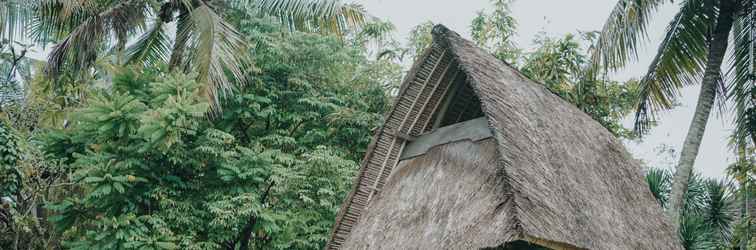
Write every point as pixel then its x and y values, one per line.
pixel 549 174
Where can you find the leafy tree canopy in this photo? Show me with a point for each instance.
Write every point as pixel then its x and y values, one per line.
pixel 269 172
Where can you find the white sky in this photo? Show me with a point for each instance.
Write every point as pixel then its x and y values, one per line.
pixel 559 17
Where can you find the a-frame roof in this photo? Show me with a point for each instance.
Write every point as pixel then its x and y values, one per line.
pixel 569 182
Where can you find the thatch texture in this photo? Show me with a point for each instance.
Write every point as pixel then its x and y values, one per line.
pixel 550 175
pixel 447 198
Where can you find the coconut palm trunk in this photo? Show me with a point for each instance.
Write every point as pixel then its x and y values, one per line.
pixel 715 56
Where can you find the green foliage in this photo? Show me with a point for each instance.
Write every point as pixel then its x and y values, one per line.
pixel 420 38
pixel 709 219
pixel 495 31
pixel 743 171
pixel 10 178
pixel 564 67
pixel 742 88
pixel 27 181
pixel 152 171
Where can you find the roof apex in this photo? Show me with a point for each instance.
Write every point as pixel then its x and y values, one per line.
pixel 439 30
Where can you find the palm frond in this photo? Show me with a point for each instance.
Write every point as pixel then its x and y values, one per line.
pixel 679 61
pixel 218 53
pixel 742 87
pixel 719 215
pixel 183 34
pixel 693 232
pixel 15 15
pixel 54 19
pixel 152 48
pixel 326 16
pixel 80 47
pixel 660 183
pixel 377 31
pixel 695 198
pixel 623 31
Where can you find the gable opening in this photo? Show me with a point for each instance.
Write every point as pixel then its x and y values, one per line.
pixel 459 105
pixel 458 116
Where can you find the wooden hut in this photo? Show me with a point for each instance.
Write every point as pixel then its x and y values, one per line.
pixel 474 155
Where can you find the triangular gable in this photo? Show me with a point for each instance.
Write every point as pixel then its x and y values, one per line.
pixel 569 181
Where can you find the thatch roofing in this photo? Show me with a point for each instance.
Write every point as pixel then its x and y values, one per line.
pixel 550 174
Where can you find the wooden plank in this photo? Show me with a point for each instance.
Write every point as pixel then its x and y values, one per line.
pixel 475 130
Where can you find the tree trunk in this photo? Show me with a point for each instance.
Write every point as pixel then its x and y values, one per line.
pixel 717 49
pixel 245 235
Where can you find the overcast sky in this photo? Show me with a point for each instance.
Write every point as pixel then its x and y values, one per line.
pixel 559 17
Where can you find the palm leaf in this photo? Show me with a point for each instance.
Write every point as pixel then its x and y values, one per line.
pixel 719 215
pixel 152 48
pixel 326 16
pixel 218 52
pixel 742 87
pixel 679 61
pixel 623 30
pixel 183 34
pixel 377 31
pixel 660 183
pixel 15 15
pixel 79 49
pixel 54 19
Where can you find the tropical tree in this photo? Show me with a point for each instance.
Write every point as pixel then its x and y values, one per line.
pixel 149 170
pixel 85 30
pixel 709 217
pixel 691 52
pixel 495 31
pixel 564 68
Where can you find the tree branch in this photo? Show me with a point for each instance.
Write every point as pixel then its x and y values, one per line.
pixel 246 233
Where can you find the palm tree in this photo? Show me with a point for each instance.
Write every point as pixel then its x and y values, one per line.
pixel 84 29
pixel 692 51
pixel 743 87
pixel 709 216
